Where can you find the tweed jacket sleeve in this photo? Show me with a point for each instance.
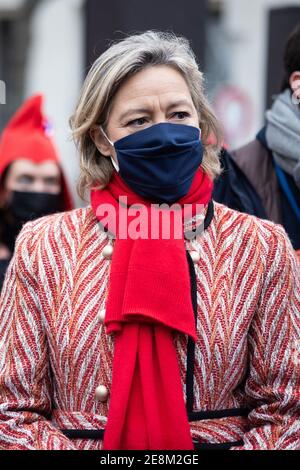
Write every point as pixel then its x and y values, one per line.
pixel 25 382
pixel 273 381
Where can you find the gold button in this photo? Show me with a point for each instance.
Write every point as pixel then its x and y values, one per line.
pixel 195 256
pixel 101 393
pixel 107 251
pixel 101 315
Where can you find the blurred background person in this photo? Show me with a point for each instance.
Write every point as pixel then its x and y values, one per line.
pixel 271 162
pixel 32 183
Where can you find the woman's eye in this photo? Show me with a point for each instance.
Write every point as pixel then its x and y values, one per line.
pixel 181 115
pixel 137 122
pixel 25 179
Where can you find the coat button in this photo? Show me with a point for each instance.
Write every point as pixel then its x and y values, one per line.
pixel 107 251
pixel 101 393
pixel 195 256
pixel 101 315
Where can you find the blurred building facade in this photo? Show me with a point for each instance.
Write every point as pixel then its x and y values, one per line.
pixel 42 50
pixel 244 60
pixel 47 46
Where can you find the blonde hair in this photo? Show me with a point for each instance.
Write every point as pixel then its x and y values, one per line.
pixel 120 61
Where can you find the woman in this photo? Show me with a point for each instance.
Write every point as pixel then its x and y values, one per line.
pixel 114 339
pixel 32 183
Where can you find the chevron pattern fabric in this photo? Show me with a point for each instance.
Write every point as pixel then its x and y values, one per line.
pixel 54 351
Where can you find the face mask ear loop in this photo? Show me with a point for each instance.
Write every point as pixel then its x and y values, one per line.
pixel 116 166
pixel 111 143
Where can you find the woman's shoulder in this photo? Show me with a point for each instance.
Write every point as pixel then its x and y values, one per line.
pixel 68 226
pixel 75 216
pixel 223 213
pixel 251 228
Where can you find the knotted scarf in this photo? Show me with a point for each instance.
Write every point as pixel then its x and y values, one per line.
pixel 149 300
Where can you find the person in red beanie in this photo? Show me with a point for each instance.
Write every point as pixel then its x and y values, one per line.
pixel 32 183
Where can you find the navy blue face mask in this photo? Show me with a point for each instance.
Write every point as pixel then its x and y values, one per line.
pixel 159 162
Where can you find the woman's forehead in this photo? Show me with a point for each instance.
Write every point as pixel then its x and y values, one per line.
pixel 159 82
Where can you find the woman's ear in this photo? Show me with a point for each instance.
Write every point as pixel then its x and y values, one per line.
pixel 295 82
pixel 100 141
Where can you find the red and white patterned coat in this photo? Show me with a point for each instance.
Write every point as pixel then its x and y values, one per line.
pixel 54 350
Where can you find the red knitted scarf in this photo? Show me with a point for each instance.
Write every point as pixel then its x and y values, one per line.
pixel 149 300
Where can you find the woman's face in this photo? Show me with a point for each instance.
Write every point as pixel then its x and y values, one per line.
pixel 154 95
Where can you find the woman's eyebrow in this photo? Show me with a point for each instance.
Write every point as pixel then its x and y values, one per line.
pixel 182 102
pixel 133 111
pixel 146 110
pixel 26 175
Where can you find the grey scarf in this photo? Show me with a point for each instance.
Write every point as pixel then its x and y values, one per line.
pixel 283 134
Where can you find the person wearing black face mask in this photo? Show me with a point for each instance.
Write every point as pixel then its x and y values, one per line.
pixel 31 181
pixel 21 206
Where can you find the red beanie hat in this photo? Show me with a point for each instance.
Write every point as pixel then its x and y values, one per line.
pixel 26 137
